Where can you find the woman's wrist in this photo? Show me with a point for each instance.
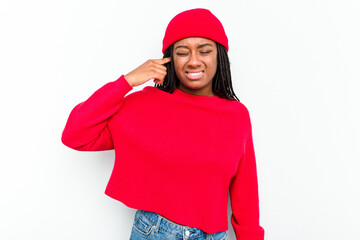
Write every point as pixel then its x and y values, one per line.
pixel 128 79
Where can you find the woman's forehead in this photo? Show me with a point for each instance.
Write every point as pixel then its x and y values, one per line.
pixel 194 41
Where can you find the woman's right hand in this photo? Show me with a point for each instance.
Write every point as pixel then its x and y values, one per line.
pixel 151 69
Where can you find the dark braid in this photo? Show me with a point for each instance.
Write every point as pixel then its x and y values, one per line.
pixel 221 84
pixel 170 81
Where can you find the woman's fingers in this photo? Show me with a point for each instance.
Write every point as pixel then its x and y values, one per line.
pixel 162 60
pixel 159 63
pixel 151 69
pixel 159 70
pixel 159 74
pixel 156 66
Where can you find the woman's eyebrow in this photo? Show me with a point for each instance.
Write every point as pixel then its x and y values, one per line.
pixel 200 46
pixel 204 45
pixel 181 46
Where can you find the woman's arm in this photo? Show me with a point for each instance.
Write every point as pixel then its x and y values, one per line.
pixel 86 128
pixel 244 194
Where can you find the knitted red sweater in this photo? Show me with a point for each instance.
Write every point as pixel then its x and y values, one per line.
pixel 176 154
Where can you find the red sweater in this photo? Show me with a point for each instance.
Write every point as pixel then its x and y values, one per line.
pixel 176 154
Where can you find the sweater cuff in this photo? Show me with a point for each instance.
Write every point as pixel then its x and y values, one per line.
pixel 123 85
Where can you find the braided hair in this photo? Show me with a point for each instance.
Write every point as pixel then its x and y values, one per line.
pixel 221 83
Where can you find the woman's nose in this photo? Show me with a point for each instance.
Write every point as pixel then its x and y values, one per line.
pixel 194 60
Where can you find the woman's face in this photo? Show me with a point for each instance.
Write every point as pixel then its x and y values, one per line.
pixel 195 61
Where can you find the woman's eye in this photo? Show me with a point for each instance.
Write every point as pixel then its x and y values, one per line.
pixel 205 52
pixel 181 54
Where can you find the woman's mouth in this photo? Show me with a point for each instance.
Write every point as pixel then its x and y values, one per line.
pixel 194 75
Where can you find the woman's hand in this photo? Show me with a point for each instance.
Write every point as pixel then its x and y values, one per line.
pixel 151 69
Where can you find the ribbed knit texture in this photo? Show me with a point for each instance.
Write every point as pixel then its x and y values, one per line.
pixel 176 154
pixel 197 22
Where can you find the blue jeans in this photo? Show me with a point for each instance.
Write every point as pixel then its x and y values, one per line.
pixel 150 225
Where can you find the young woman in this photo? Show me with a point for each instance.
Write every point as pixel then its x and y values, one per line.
pixel 180 146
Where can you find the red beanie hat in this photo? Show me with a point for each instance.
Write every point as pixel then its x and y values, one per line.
pixel 198 22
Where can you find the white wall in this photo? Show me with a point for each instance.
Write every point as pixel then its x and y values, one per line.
pixel 295 65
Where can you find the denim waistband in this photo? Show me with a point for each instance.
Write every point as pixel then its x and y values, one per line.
pixel 176 229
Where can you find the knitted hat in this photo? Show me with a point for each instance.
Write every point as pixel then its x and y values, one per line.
pixel 198 22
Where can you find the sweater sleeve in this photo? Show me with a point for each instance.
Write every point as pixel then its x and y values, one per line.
pixel 244 195
pixel 87 126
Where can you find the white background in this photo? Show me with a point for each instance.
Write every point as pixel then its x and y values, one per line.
pixel 295 65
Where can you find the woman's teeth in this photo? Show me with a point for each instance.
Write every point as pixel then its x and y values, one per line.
pixel 198 73
pixel 195 75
